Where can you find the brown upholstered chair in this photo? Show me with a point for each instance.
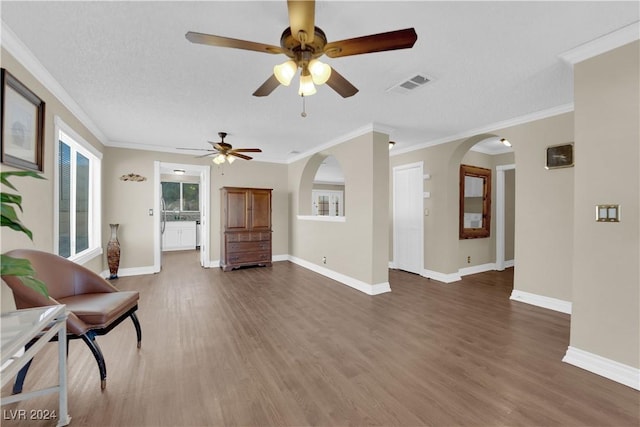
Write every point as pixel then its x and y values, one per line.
pixel 93 304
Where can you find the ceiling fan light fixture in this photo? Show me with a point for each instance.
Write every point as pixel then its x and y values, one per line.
pixel 320 72
pixel 230 158
pixel 391 144
pixel 306 85
pixel 505 142
pixel 219 159
pixel 285 72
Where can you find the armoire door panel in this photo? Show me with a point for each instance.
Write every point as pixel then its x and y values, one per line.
pixel 237 210
pixel 260 210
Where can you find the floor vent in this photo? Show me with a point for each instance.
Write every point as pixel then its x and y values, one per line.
pixel 411 84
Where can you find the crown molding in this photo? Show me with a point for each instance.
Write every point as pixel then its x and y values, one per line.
pixel 371 127
pixel 527 118
pixel 602 44
pixel 24 56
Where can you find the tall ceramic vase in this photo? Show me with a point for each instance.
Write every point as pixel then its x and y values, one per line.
pixel 113 252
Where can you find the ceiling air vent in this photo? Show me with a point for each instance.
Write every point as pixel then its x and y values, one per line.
pixel 411 84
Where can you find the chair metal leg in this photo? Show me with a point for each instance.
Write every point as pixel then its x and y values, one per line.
pixel 22 374
pixel 89 339
pixel 136 323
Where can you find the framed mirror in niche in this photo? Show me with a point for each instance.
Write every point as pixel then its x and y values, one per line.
pixel 475 202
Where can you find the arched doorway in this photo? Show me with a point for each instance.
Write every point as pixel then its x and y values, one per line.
pixel 496 251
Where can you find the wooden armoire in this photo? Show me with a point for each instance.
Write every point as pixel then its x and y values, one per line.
pixel 246 227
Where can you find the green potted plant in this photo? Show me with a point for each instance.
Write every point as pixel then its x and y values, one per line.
pixel 14 266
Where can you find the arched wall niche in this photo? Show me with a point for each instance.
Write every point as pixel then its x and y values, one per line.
pixel 466 145
pixel 442 246
pixel 306 182
pixel 490 250
pixel 453 176
pixel 309 176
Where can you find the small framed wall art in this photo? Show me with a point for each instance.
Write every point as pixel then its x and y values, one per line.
pixel 22 125
pixel 559 156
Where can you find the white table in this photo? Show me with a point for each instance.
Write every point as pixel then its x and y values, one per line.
pixel 18 328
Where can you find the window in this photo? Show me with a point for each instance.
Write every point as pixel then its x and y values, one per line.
pixel 327 202
pixel 78 183
pixel 181 196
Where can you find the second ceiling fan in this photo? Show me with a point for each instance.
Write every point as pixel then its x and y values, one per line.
pixel 304 43
pixel 223 151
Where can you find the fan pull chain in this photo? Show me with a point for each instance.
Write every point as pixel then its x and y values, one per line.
pixel 304 112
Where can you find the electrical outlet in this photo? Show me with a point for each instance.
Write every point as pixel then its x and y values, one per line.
pixel 324 259
pixel 468 260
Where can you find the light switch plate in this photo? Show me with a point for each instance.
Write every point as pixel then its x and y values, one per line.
pixel 608 213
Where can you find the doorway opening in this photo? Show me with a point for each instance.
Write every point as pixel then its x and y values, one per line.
pixel 505 216
pixel 495 251
pixel 182 216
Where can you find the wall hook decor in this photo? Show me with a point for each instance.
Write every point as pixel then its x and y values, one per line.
pixel 133 177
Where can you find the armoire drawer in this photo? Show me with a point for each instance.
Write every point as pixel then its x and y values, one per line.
pixel 233 247
pixel 254 236
pixel 249 257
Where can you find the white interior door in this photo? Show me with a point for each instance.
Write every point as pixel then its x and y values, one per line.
pixel 407 218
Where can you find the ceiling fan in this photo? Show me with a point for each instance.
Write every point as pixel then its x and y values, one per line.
pixel 224 151
pixel 304 43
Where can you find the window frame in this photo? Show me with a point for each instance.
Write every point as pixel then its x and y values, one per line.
pixel 77 144
pixel 182 200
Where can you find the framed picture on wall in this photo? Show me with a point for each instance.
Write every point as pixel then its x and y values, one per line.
pixel 22 125
pixel 559 156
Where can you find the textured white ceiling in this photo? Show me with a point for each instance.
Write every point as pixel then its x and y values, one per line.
pixel 130 68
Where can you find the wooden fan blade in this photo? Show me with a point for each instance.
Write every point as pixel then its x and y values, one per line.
pixel 267 87
pixel 206 155
pixel 341 85
pixel 392 40
pixel 302 16
pixel 212 40
pixel 246 150
pixel 242 156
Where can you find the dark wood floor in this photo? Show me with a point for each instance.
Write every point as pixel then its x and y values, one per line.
pixel 285 346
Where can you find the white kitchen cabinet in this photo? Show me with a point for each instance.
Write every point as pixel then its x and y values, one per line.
pixel 179 236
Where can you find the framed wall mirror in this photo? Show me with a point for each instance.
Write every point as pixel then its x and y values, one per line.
pixel 475 202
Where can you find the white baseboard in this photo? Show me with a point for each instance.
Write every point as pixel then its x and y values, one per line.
pixel 454 277
pixel 541 301
pixel 133 271
pixel 278 258
pixel 475 269
pixel 441 277
pixel 602 366
pixel 392 265
pixel 369 289
pixel 510 263
pixel 212 264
